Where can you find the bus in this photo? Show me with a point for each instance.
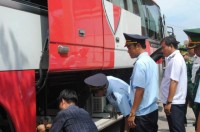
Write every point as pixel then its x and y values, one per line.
pixel 47 46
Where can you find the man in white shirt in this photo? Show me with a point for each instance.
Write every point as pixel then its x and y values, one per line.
pixel 174 85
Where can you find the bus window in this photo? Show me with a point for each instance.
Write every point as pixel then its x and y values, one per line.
pixel 39 3
pixel 129 5
pixel 135 7
pixel 143 15
pixel 119 3
pixel 153 15
pixel 152 25
pixel 132 6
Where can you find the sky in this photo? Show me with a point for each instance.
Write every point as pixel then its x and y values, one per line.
pixel 180 14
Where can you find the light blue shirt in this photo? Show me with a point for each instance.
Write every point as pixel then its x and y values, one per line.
pixel 145 75
pixel 118 95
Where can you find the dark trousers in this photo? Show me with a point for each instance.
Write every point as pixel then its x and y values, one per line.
pixel 176 118
pixel 146 123
pixel 122 127
pixel 185 110
pixel 197 114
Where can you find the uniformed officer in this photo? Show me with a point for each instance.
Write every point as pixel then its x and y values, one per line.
pixel 190 87
pixel 116 91
pixel 194 43
pixel 144 86
pixel 196 91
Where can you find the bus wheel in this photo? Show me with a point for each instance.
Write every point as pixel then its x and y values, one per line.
pixel 6 124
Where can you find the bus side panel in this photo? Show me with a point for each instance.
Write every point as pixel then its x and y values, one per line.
pixel 18 98
pixel 76 24
pixel 119 21
pixel 79 58
pixel 22 35
pixel 109 42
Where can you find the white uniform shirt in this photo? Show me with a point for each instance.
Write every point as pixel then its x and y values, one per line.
pixel 197 98
pixel 118 95
pixel 176 70
pixel 195 67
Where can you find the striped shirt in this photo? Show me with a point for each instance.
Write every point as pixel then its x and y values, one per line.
pixel 73 119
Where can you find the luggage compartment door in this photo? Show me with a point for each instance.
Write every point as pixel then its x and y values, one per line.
pixel 76 35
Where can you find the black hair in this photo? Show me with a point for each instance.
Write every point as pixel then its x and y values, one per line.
pixel 142 43
pixel 68 95
pixel 170 41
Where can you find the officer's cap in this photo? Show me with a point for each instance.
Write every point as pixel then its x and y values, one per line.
pixel 96 80
pixel 194 37
pixel 134 39
pixel 183 51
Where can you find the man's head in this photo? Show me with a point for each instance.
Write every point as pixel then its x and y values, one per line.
pixel 194 40
pixel 135 44
pixel 196 48
pixel 169 45
pixel 191 52
pixel 184 53
pixel 66 98
pixel 98 83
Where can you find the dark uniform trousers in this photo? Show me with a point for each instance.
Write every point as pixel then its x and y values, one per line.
pixel 176 118
pixel 196 107
pixel 146 123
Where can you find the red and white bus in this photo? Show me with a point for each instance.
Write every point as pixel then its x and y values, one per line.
pixel 49 45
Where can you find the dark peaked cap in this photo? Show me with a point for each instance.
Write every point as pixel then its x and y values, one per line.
pixel 134 39
pixel 194 35
pixel 96 80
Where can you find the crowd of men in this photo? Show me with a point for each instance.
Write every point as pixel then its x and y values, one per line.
pixel 138 100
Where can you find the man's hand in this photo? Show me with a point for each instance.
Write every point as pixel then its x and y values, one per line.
pixel 131 121
pixel 167 109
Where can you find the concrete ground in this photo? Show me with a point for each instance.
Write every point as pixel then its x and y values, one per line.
pixel 162 122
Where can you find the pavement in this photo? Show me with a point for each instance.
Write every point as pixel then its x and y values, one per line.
pixel 162 122
pixel 163 125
